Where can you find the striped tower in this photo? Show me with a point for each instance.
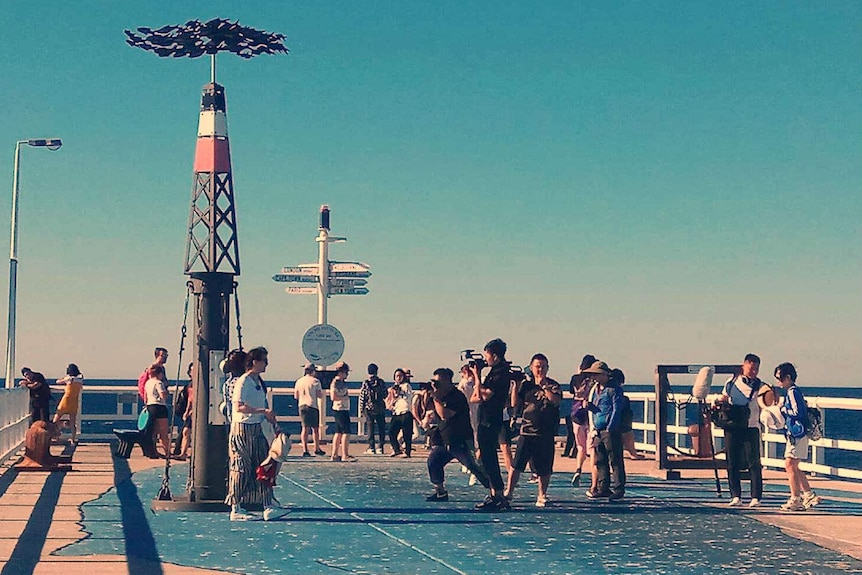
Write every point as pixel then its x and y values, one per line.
pixel 212 261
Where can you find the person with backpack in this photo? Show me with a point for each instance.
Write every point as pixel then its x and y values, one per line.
pixel 795 412
pixel 372 405
pixel 606 404
pixel 742 437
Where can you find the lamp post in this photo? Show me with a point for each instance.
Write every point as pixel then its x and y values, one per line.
pixel 52 144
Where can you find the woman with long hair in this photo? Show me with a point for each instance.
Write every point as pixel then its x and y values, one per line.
pixel 156 392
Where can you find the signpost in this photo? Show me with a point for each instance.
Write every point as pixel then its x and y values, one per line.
pixel 301 290
pixel 296 278
pixel 348 291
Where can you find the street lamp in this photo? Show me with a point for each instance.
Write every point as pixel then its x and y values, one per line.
pixel 52 144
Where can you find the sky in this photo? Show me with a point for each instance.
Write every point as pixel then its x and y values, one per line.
pixel 652 183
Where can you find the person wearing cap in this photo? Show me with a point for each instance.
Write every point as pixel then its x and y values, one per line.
pixel 307 392
pixel 340 397
pixel 606 405
pixel 742 446
pixel 492 395
pixel 372 405
pixel 795 412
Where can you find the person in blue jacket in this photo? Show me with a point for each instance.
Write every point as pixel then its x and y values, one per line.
pixel 607 435
pixel 795 412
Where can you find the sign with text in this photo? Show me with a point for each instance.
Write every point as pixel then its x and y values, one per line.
pixel 335 290
pixel 301 290
pixel 295 278
pixel 303 270
pixel 348 267
pixel 347 282
pixel 323 344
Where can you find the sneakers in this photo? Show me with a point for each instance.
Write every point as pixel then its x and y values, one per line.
pixel 811 499
pixel 319 452
pixel 735 502
pixel 306 454
pixel 576 478
pixel 370 451
pixel 492 504
pixel 236 514
pixel 438 497
pixel 616 496
pixel 793 504
pixel 472 481
pixel 590 494
pixel 272 513
pixel 755 502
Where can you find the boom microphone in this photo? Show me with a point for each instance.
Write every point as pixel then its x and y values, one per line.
pixel 703 383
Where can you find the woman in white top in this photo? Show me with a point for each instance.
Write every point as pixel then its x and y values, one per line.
pixel 340 397
pixel 156 392
pixel 247 445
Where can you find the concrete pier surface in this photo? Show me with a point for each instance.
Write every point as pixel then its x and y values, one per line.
pixel 371 517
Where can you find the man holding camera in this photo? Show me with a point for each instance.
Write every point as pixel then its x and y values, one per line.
pixel 452 437
pixel 491 395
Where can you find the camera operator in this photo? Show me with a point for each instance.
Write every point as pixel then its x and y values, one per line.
pixel 399 400
pixel 538 399
pixel 452 436
pixel 491 395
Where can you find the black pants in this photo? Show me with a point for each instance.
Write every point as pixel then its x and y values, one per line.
pixel 610 467
pixel 742 447
pixel 378 420
pixel 442 454
pixel 489 442
pixel 571 448
pixel 39 412
pixel 404 424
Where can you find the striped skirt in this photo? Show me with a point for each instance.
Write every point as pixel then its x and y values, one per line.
pixel 247 448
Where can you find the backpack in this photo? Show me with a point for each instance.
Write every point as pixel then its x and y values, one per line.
pixel 628 416
pixel 814 424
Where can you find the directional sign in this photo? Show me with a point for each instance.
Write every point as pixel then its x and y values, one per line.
pixel 348 291
pixel 348 274
pixel 301 290
pixel 348 267
pixel 295 278
pixel 347 282
pixel 303 270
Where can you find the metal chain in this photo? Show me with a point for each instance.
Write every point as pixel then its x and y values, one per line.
pixel 236 307
pixel 165 491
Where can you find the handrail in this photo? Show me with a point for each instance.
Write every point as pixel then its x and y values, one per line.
pixel 12 430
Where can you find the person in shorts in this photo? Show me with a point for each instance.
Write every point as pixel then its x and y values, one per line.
pixel 538 399
pixel 341 411
pixel 795 412
pixel 307 391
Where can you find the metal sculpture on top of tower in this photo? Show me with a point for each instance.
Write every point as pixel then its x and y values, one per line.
pixel 212 247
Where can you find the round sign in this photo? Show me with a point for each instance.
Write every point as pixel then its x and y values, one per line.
pixel 322 344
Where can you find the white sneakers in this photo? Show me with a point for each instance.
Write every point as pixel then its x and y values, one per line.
pixel 793 504
pixel 735 502
pixel 274 512
pixel 237 514
pixel 754 503
pixel 810 499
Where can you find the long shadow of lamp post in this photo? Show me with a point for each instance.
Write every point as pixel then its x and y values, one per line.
pixel 52 144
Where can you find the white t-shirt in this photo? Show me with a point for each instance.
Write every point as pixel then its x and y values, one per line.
pixel 342 397
pixel 248 390
pixel 403 398
pixel 307 390
pixel 151 389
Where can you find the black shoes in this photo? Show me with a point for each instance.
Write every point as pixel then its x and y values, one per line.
pixel 319 452
pixel 306 454
pixel 492 504
pixel 438 497
pixel 616 496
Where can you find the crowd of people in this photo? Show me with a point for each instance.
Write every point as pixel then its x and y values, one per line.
pixel 473 421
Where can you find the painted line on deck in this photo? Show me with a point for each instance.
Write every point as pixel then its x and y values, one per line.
pixel 377 528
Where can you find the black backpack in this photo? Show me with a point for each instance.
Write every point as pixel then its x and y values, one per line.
pixel 182 402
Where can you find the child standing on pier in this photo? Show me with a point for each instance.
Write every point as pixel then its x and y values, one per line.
pixel 795 412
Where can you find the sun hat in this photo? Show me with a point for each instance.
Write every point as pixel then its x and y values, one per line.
pixel 771 417
pixel 766 396
pixel 598 367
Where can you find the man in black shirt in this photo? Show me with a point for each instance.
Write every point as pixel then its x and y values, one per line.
pixel 491 397
pixel 452 438
pixel 538 400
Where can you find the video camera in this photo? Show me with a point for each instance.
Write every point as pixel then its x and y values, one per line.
pixel 473 359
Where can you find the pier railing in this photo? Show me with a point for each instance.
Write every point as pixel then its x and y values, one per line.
pixel 122 412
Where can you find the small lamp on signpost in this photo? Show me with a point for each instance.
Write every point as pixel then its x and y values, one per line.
pixel 52 144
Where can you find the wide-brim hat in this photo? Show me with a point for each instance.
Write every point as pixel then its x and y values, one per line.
pixel 766 396
pixel 598 367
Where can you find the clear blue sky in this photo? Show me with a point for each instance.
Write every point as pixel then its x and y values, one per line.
pixel 651 183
